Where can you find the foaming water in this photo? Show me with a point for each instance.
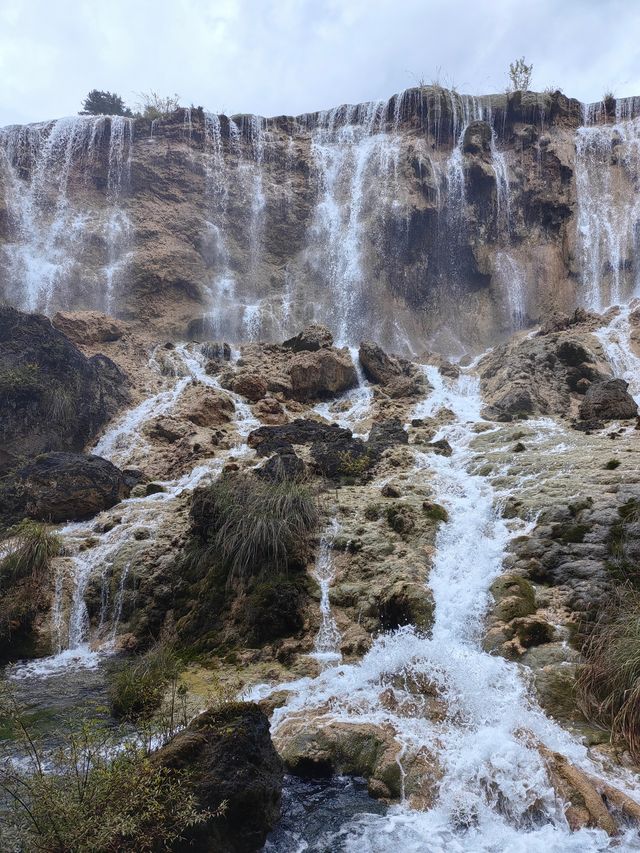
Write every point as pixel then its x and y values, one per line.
pixel 615 338
pixel 495 794
pixel 327 643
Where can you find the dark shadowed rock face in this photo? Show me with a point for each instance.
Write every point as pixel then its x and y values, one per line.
pixel 52 397
pixel 62 487
pixel 229 756
pixel 608 401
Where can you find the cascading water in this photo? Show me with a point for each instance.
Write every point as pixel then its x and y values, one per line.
pixel 494 793
pixel 607 177
pixel 120 444
pixel 615 338
pixel 326 648
pixel 65 247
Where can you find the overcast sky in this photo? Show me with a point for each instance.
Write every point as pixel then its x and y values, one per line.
pixel 292 56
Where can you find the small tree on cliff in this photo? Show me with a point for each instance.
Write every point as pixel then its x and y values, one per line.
pixel 520 75
pixel 104 103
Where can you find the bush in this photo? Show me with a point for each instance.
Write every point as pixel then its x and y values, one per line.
pixel 153 107
pixel 253 526
pixel 96 793
pixel 31 547
pixel 609 681
pixel 138 688
pixel 24 576
pixel 623 544
pixel 520 75
pixel 104 103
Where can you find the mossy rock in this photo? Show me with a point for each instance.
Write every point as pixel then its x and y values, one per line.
pixel 434 511
pixel 514 596
pixel 274 608
pixel 569 533
pixel 401 517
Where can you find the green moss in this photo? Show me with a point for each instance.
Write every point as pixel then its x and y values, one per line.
pixel 274 608
pixel 515 597
pixel 434 511
pixel 24 380
pixel 612 464
pixel 373 512
pixel 354 466
pixel 401 517
pixel 569 533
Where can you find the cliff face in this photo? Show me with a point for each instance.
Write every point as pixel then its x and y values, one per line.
pixel 431 221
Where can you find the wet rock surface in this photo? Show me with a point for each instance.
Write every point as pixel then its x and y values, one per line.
pixel 58 487
pixel 52 397
pixel 230 759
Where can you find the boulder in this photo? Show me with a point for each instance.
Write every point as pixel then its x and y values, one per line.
pixel 324 373
pixel 52 397
pixel 608 401
pixel 86 328
pixel 229 757
pixel 377 366
pixel 250 385
pixel 60 487
pixel 204 406
pixel 311 338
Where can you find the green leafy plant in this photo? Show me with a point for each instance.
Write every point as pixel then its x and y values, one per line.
pixel 104 103
pixel 138 688
pixel 98 793
pixel 520 75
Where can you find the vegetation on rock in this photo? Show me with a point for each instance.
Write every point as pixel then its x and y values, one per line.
pixel 104 103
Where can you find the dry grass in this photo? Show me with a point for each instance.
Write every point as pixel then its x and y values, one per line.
pixel 609 680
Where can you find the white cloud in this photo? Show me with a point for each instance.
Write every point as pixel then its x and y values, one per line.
pixel 290 56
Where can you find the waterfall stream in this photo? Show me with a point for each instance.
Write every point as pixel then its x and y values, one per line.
pixel 495 793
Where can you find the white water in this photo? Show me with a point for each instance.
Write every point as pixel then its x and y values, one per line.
pixel 495 794
pixel 62 246
pixel 615 338
pixel 327 643
pixel 353 409
pixel 607 177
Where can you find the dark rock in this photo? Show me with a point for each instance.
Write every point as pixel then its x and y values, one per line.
pixel 281 466
pixel 52 397
pixel 442 447
pixel 379 367
pixel 267 439
pixel 384 434
pixel 229 757
pixel 311 338
pixel 60 487
pixel 477 138
pixel 390 491
pixel 608 401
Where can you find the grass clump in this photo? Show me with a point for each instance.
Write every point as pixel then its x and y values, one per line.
pixel 612 464
pixel 609 681
pixel 623 546
pixel 24 380
pixel 25 575
pixel 138 688
pixel 254 526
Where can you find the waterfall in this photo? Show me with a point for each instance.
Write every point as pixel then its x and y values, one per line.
pixel 513 286
pixel 615 338
pixel 494 793
pixel 326 648
pixel 607 178
pixel 65 248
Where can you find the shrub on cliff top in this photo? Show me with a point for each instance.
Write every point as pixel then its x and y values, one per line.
pixel 104 103
pixel 253 525
pixel 609 681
